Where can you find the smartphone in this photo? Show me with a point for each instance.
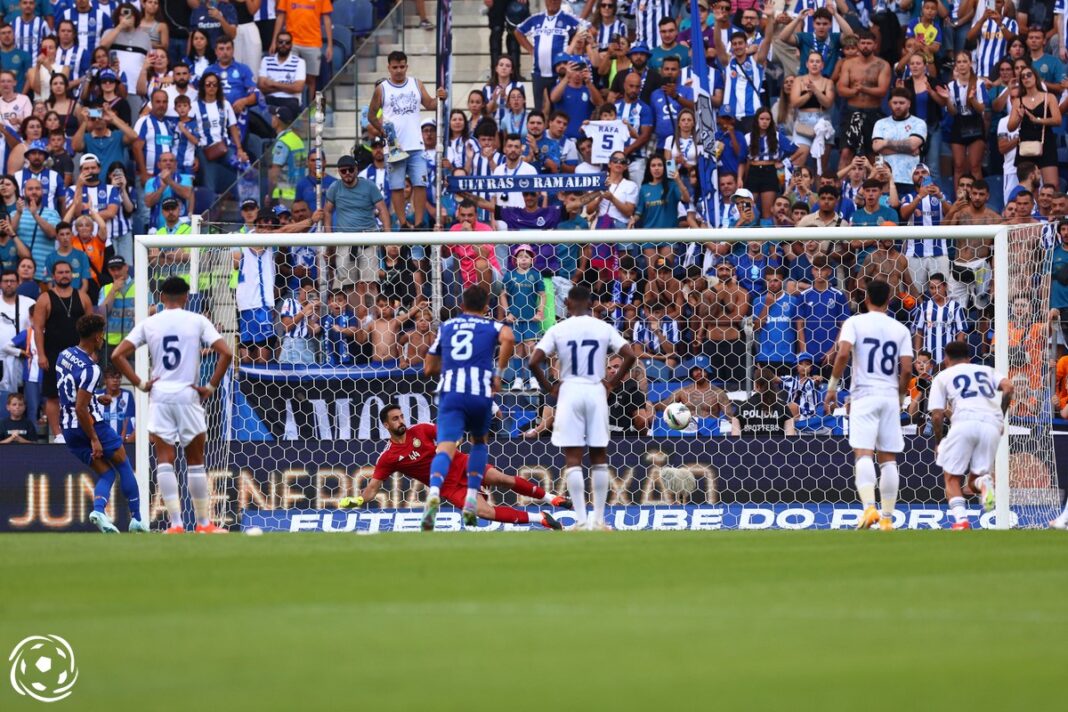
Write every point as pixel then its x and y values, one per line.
pixel 95 113
pixel 926 181
pixel 113 57
pixel 671 168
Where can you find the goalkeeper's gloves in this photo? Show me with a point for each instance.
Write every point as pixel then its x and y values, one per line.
pixel 350 502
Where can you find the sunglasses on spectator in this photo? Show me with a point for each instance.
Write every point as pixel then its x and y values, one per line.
pixel 618 161
pixel 608 4
pixel 345 171
pixel 211 84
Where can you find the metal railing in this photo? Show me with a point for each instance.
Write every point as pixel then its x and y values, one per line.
pixel 342 130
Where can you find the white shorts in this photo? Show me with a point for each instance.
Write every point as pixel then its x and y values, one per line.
pixel 970 448
pixel 581 418
pixel 875 424
pixel 177 423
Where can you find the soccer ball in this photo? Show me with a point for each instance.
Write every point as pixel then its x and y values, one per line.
pixel 677 416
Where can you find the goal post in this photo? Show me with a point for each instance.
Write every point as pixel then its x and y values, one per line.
pixel 671 470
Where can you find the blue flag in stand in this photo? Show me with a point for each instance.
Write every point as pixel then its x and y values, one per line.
pixel 706 118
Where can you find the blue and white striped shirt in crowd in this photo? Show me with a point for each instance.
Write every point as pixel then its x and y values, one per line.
pixel 647 16
pixel 51 184
pixel 482 166
pixel 502 104
pixel 806 394
pixel 74 57
pixel 120 411
pixel 622 296
pixel 185 151
pixel 467 345
pixel 266 11
pixel 993 44
pixel 851 193
pixel 650 340
pixel 28 34
pixel 744 83
pixel 157 137
pixel 550 35
pixel 928 214
pixel 938 325
pixel 88 26
pixel 123 223
pixel 807 24
pixel 297 330
pixel 606 32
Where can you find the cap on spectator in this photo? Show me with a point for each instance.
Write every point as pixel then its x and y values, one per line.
pixel 921 167
pixel 428 122
pixel 170 202
pixel 561 58
pixel 107 75
pixel 38 145
pixel 523 248
pixel 378 141
pixel 249 203
pixel 281 209
pixel 805 356
pixel 117 261
pixel 742 194
pixel 725 112
pixel 284 113
pixel 639 48
pixel 88 157
pixel 346 161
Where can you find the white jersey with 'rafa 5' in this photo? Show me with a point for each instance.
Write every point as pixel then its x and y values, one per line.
pixel 582 344
pixel 174 338
pixel 970 390
pixel 878 343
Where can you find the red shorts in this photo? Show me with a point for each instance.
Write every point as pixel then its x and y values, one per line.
pixel 454 489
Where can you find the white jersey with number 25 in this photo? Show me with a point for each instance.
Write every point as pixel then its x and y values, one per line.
pixel 971 390
pixel 878 343
pixel 174 338
pixel 582 345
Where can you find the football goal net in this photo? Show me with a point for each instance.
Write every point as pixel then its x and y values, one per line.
pixel 738 325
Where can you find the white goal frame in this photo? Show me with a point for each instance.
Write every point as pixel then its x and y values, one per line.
pixel 194 240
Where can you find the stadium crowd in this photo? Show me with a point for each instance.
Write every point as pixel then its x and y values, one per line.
pixel 120 118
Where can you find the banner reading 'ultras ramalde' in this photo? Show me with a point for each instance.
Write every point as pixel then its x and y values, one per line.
pixel 542 183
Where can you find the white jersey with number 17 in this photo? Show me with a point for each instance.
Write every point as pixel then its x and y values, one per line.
pixel 174 338
pixel 878 343
pixel 582 344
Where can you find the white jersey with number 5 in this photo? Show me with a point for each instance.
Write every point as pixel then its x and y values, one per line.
pixel 970 390
pixel 878 343
pixel 174 338
pixel 582 344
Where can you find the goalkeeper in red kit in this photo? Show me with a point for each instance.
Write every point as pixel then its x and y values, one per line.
pixel 410 452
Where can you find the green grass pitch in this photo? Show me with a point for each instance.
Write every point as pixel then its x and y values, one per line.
pixel 544 621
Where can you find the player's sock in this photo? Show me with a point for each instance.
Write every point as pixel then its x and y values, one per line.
pixel 888 483
pixel 600 479
pixel 102 491
pixel 168 489
pixel 507 514
pixel 198 492
pixel 865 481
pixel 1063 516
pixel 957 510
pixel 130 490
pixel 439 468
pixel 529 489
pixel 576 487
pixel 476 468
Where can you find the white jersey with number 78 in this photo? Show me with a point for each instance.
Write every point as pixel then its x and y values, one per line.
pixel 878 343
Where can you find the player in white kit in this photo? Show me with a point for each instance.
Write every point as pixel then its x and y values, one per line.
pixel 978 398
pixel 175 411
pixel 881 349
pixel 582 345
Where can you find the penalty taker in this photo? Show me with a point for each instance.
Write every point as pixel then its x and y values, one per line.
pixel 410 452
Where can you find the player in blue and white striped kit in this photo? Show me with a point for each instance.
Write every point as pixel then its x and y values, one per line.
pixel 463 356
pixel 88 435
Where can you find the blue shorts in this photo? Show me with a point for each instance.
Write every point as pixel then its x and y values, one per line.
pixel 413 167
pixel 257 326
pixel 80 447
pixel 526 330
pixel 459 413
